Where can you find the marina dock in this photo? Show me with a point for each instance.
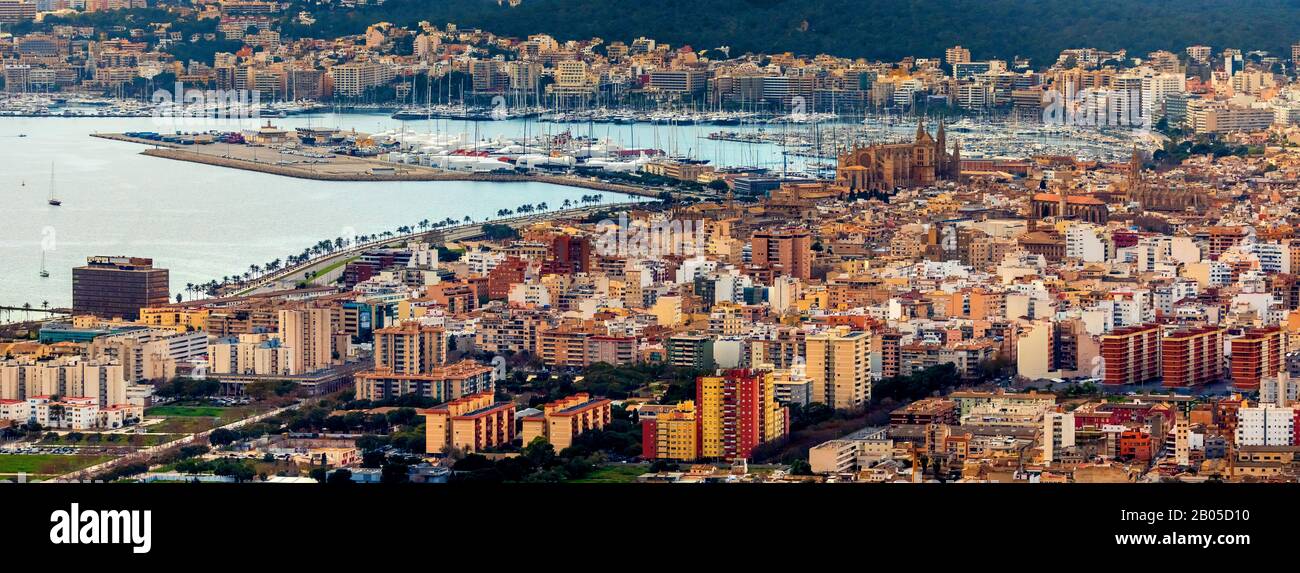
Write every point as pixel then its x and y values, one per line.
pixel 340 167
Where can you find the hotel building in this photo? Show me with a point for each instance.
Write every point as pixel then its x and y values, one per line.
pixel 110 287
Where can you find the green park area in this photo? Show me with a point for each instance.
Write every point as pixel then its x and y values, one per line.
pixel 195 416
pixel 185 411
pixel 614 473
pixel 39 465
pixel 109 440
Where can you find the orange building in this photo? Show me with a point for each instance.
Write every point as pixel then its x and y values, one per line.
pixel 890 345
pixel 563 346
pixel 1192 356
pixel 578 347
pixel 1221 239
pixel 1256 355
pixel 1135 445
pixel 410 348
pixel 787 251
pixel 672 434
pixel 507 273
pixel 565 419
pixel 731 415
pixel 441 383
pixel 1131 355
pixel 472 423
pixel 738 411
pixel 458 297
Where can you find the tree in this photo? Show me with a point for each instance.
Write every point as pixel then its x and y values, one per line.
pixel 340 476
pixel 801 467
pixel 472 462
pixel 663 466
pixel 222 436
pixel 540 452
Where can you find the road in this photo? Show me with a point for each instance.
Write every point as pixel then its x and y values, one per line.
pixel 289 277
pixel 145 454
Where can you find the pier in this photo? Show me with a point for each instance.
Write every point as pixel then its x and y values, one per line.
pixel 351 168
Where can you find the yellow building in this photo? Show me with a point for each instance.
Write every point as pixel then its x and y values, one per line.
pixel 440 383
pixel 472 423
pixel 813 297
pixel 565 419
pixel 180 318
pixel 671 435
pixel 410 348
pixel 307 333
pixel 667 310
pixel 737 412
pixel 839 367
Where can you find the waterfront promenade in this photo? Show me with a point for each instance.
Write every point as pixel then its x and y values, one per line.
pixel 310 270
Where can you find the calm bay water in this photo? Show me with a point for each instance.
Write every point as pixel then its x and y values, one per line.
pixel 201 222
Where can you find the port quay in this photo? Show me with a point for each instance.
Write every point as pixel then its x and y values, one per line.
pixel 337 167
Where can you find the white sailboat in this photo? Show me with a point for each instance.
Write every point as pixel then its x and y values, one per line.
pixel 53 200
pixel 44 273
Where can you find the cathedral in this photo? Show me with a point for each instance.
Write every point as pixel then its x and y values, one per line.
pixel 1151 198
pixel 888 166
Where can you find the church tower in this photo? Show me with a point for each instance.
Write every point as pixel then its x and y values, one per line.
pixel 954 170
pixel 941 145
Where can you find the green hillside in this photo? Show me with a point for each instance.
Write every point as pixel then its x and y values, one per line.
pixel 875 29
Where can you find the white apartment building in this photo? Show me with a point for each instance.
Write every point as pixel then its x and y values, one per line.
pixel 102 380
pixel 1058 433
pixel 1086 243
pixel 354 78
pixel 1265 426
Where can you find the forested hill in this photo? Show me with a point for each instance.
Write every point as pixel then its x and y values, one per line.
pixel 875 29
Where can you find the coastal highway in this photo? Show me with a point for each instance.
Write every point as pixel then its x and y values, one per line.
pixel 289 277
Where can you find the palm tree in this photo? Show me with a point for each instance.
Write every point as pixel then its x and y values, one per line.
pixel 45 304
